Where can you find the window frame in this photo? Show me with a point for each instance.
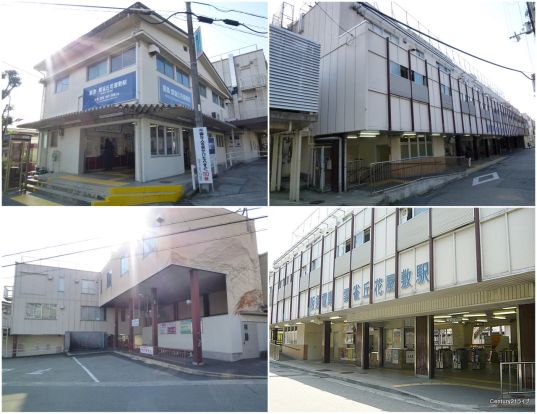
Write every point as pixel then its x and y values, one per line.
pixel 60 81
pixel 90 288
pixel 171 138
pixel 123 265
pixel 98 63
pixel 122 55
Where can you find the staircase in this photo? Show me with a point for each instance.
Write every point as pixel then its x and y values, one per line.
pixel 66 193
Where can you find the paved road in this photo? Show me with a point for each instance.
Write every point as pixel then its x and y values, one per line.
pixel 109 383
pixel 515 186
pixel 294 390
pixel 243 185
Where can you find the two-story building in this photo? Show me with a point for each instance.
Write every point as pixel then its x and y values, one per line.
pixel 388 95
pixel 413 289
pixel 191 287
pixel 125 87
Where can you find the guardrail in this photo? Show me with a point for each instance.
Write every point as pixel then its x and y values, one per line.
pixel 388 174
pixel 357 174
pixel 517 379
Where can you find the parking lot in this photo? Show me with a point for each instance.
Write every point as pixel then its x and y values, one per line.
pixel 106 382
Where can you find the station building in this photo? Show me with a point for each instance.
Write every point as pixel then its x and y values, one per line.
pixel 190 289
pixel 128 81
pixel 423 290
pixel 388 95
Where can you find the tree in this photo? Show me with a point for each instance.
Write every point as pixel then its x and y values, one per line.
pixel 13 80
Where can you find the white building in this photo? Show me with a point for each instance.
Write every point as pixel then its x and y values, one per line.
pixel 388 95
pixel 401 288
pixel 129 81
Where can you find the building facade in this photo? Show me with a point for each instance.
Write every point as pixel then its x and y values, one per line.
pixel 246 78
pixel 128 82
pixel 414 289
pixel 191 286
pixel 386 95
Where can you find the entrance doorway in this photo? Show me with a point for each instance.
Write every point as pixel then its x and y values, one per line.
pixel 109 148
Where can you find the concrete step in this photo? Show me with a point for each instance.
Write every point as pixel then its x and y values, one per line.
pixel 67 187
pixel 62 196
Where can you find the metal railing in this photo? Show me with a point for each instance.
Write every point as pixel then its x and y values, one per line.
pixel 173 353
pixel 274 351
pixel 357 174
pixel 517 379
pixel 388 174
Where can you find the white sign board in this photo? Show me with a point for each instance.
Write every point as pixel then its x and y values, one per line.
pixel 146 350
pixel 135 322
pixel 410 357
pixel 203 158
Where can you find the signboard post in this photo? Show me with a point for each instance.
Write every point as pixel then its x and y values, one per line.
pixel 197 43
pixel 203 158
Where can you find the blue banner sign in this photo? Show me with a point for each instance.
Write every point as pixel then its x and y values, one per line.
pixel 172 94
pixel 212 146
pixel 120 89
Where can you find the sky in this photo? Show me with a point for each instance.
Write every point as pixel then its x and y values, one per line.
pixel 39 227
pixel 481 27
pixel 36 31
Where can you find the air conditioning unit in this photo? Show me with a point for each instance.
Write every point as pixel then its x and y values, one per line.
pixel 50 277
pixel 153 49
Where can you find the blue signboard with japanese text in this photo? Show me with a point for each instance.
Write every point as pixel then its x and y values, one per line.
pixel 172 94
pixel 212 146
pixel 116 90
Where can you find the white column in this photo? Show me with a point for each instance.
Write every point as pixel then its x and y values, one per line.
pixel 294 184
pixel 276 161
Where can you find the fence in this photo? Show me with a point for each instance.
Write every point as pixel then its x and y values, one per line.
pixel 517 379
pixel 387 174
pixel 357 174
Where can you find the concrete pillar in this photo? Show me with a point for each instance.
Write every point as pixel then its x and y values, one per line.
pixel 294 179
pixel 116 326
pixel 197 358
pixel 327 329
pixel 526 332
pixel 381 348
pixel 425 360
pixel 131 329
pixel 361 345
pixel 154 318
pixel 276 162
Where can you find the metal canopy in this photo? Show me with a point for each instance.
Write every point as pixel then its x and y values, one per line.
pixel 172 284
pixel 121 113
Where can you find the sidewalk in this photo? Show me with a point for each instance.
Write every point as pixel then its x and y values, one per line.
pixel 241 185
pixel 362 197
pixel 451 391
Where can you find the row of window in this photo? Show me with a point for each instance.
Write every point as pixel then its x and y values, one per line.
pixel 113 63
pixel 164 140
pixel 48 312
pixel 402 71
pixel 414 147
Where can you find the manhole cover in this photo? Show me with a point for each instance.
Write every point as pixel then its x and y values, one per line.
pixel 317 202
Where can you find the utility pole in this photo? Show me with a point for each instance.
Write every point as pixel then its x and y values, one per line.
pixel 194 69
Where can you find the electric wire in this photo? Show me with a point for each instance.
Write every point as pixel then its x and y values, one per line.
pixel 367 6
pixel 230 10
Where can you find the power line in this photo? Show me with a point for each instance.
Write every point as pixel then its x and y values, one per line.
pixel 148 238
pixel 100 237
pixel 367 6
pixel 230 10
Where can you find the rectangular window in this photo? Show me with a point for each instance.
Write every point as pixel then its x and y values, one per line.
pixel 165 67
pixel 362 237
pixel 182 78
pixel 41 311
pixel 404 72
pixel 446 90
pixel 123 59
pixel 53 139
pixel 220 141
pixel 316 256
pixel 62 84
pixel 409 213
pixel 92 313
pixel 420 54
pixel 164 140
pixel 98 69
pixel 394 69
pixel 344 238
pixel 124 265
pixel 418 78
pixel 215 98
pixel 88 287
pixel 203 90
pixel 149 245
pixel 109 279
pixel 61 284
pixel 413 147
pixel 160 140
pixel 221 100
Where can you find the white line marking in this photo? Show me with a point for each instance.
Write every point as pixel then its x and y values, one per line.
pixel 492 176
pixel 7 369
pixel 87 370
pixel 38 372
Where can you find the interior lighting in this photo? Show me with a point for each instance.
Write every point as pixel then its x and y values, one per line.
pixel 481 320
pixel 510 307
pixel 353 136
pixel 299 323
pixel 507 312
pixel 458 313
pixel 499 317
pixel 409 134
pixel 442 316
pixel 335 317
pixel 474 315
pixel 440 321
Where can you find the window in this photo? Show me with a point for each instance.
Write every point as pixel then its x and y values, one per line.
pixel 109 279
pixel 149 246
pixel 88 287
pixel 316 256
pixel 203 90
pixel 123 59
pixel 413 147
pixel 290 335
pixel 443 68
pixel 215 98
pixel 42 311
pixel 62 84
pixel 61 284
pixel 123 265
pixel 418 78
pixel 446 90
pixel 409 213
pixel 165 67
pixel 344 238
pixel 362 237
pixel 392 37
pixel 53 139
pixel 98 69
pixel 220 141
pixel 398 70
pixel 92 313
pixel 182 78
pixel 164 140
pixel 420 54
pixel 221 100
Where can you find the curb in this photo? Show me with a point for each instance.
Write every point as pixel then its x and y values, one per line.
pixel 186 370
pixel 458 407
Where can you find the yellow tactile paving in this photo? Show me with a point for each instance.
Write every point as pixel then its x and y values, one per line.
pixel 31 200
pixel 97 181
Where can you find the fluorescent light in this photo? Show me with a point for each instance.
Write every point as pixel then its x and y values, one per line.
pixel 510 307
pixel 481 320
pixel 458 313
pixel 442 316
pixel 299 323
pixel 411 134
pixel 312 321
pixel 507 312
pixel 441 321
pixel 465 319
pixel 473 315
pixel 335 317
pixel 435 135
pixel 353 136
pixel 499 317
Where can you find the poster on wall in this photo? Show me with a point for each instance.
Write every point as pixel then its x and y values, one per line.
pixel 397 338
pixel 185 327
pixel 116 90
pixel 171 329
pixel 162 330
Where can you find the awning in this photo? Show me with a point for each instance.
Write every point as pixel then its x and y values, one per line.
pixel 260 123
pixel 120 113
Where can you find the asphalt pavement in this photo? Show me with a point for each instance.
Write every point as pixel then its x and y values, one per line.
pixel 105 382
pixel 510 182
